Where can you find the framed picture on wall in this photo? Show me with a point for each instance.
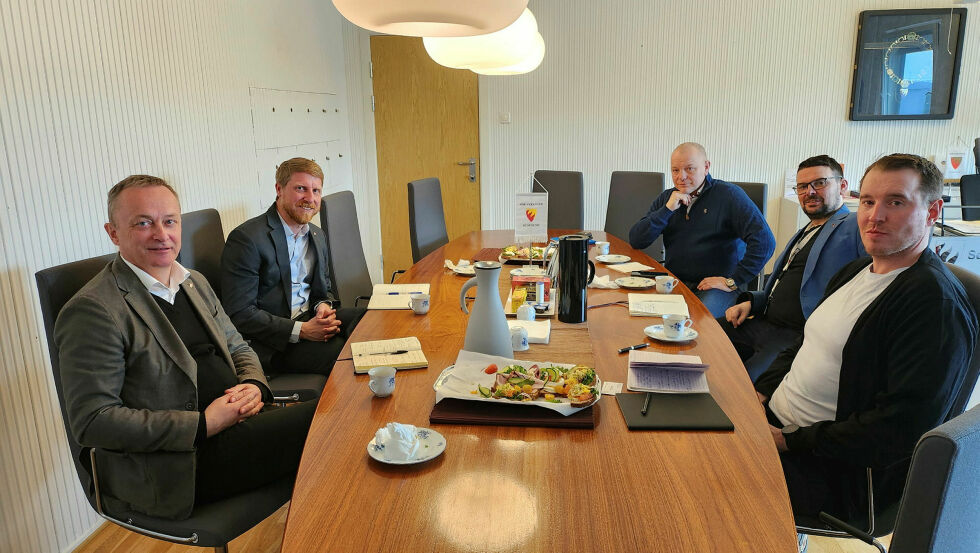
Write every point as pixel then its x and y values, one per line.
pixel 907 64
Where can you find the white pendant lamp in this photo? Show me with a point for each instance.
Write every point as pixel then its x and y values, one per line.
pixel 439 18
pixel 528 64
pixel 506 47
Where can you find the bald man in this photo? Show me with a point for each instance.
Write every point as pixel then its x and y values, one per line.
pixel 715 237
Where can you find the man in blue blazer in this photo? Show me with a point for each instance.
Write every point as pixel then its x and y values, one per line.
pixel 800 275
pixel 275 281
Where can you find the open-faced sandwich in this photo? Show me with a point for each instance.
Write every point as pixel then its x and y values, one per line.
pixel 517 252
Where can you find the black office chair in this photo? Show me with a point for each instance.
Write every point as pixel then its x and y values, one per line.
pixel 426 220
pixel 212 525
pixel 202 239
pixel 970 195
pixel 938 508
pixel 566 203
pixel 756 191
pixel 348 268
pixel 881 519
pixel 630 195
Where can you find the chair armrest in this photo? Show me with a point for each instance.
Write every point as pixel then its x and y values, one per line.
pixel 359 298
pixel 396 273
pixel 852 530
pixel 286 399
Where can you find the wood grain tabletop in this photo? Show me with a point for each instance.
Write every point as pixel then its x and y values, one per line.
pixel 498 489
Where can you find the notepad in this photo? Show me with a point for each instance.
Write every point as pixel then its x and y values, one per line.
pixel 381 353
pixel 691 412
pixel 394 296
pixel 630 267
pixel 651 371
pixel 657 305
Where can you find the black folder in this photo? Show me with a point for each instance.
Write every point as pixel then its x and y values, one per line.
pixel 673 412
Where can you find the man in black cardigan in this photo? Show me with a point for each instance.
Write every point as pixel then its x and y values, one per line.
pixel 882 357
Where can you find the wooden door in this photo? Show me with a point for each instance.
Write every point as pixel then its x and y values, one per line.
pixel 426 120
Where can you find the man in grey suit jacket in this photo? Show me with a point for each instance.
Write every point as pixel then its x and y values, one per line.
pixel 828 242
pixel 157 379
pixel 275 282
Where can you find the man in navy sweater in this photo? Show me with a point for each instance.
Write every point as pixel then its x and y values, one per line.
pixel 715 237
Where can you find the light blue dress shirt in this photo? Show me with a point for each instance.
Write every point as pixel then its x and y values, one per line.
pixel 301 262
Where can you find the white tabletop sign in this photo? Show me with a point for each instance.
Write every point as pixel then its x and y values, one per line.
pixel 531 217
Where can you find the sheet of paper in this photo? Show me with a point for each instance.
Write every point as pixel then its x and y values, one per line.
pixel 612 388
pixel 410 343
pixel 630 267
pixel 652 305
pixel 659 380
pixel 395 296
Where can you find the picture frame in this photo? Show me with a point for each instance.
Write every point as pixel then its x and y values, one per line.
pixel 907 64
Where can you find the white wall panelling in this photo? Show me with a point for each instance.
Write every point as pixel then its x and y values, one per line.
pixel 92 91
pixel 762 84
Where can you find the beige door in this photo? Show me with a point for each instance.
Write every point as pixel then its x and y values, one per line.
pixel 426 121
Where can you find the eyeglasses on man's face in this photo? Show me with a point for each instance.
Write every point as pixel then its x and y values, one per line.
pixel 817 185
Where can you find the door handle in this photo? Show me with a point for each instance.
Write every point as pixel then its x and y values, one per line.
pixel 472 163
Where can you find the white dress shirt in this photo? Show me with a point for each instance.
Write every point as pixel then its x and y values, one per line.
pixel 301 261
pixel 178 274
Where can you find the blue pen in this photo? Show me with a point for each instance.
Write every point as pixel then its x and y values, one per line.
pixel 400 293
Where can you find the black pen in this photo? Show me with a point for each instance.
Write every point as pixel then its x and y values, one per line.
pixel 646 405
pixel 399 352
pixel 637 346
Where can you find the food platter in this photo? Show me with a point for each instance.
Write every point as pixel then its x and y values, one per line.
pixel 561 387
pixel 519 254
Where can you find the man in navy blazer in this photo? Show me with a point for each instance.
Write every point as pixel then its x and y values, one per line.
pixel 800 275
pixel 275 282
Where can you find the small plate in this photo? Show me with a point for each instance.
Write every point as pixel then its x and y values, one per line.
pixel 635 283
pixel 657 332
pixel 527 271
pixel 465 270
pixel 432 445
pixel 612 258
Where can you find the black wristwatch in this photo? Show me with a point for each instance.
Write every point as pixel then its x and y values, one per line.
pixel 730 282
pixel 789 429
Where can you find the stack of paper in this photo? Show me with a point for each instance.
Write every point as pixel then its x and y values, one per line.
pixel 400 353
pixel 650 371
pixel 657 305
pixel 395 296
pixel 630 267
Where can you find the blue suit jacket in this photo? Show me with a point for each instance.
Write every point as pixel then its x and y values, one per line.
pixel 836 244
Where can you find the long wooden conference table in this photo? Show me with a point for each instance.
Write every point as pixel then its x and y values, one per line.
pixel 505 488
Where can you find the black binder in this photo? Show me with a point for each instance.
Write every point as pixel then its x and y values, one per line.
pixel 673 412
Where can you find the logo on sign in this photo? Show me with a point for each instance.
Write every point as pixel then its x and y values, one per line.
pixel 530 214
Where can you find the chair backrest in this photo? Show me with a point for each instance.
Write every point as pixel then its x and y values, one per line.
pixel 971 283
pixel 630 195
pixel 426 220
pixel 55 286
pixel 938 511
pixel 756 191
pixel 970 195
pixel 201 242
pixel 566 197
pixel 348 268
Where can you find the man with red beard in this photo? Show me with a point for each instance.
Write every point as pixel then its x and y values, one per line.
pixel 830 241
pixel 275 282
pixel 881 359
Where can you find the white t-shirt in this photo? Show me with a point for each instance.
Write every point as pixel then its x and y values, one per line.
pixel 808 392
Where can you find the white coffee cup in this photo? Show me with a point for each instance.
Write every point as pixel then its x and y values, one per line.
pixel 665 284
pixel 525 312
pixel 675 325
pixel 518 338
pixel 419 303
pixel 382 381
pixel 602 248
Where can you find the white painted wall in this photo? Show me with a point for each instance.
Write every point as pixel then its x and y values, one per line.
pixel 762 84
pixel 91 92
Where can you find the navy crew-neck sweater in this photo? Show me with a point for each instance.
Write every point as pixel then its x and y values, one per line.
pixel 723 235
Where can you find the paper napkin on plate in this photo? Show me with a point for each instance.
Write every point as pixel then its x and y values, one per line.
pixel 399 441
pixel 602 282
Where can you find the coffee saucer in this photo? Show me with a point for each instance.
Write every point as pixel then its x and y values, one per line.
pixel 635 283
pixel 431 445
pixel 609 259
pixel 657 332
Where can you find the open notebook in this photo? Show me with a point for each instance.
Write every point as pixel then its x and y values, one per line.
pixel 395 296
pixel 656 305
pixel 400 353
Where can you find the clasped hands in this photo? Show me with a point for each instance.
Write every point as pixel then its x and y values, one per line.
pixel 237 404
pixel 323 326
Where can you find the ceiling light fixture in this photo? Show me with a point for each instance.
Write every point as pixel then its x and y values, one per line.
pixel 518 48
pixel 434 18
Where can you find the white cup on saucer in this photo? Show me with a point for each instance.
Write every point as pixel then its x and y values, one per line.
pixel 382 382
pixel 675 325
pixel 518 338
pixel 602 248
pixel 665 284
pixel 419 303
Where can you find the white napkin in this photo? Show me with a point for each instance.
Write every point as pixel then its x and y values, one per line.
pixel 400 441
pixel 602 282
pixel 538 332
pixel 463 266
